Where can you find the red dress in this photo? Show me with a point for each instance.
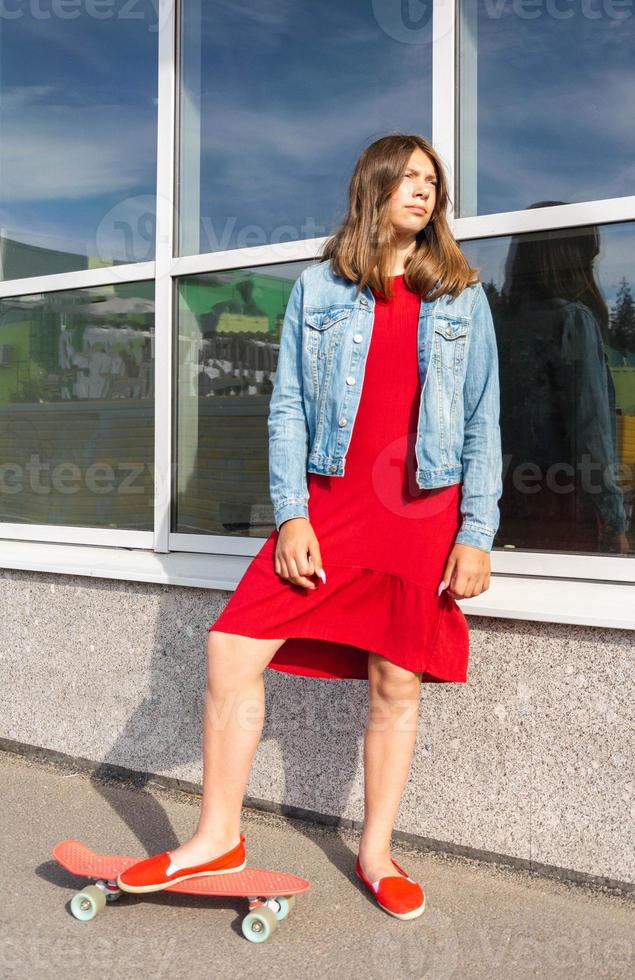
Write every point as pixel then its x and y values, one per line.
pixel 383 540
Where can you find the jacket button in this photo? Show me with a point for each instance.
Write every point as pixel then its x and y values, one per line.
pixel 358 338
pixel 350 380
pixel 333 468
pixel 364 301
pixel 342 422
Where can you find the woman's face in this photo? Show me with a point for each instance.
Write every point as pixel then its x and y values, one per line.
pixel 412 204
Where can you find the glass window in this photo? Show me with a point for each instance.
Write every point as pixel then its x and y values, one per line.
pixel 77 407
pixel 277 102
pixel 228 340
pixel 564 312
pixel 78 108
pixel 544 103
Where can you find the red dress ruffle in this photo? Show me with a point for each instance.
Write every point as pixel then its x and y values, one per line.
pixel 384 541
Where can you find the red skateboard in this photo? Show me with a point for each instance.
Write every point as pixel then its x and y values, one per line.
pixel 271 894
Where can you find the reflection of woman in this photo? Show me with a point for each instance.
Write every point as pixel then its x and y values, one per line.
pixel 389 545
pixel 558 399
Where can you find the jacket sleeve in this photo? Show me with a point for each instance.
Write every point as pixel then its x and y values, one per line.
pixel 481 457
pixel 287 424
pixel 595 424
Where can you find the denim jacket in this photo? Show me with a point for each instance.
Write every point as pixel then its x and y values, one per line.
pixel 324 344
pixel 558 403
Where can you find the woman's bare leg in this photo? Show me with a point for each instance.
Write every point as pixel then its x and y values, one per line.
pixel 388 747
pixel 232 726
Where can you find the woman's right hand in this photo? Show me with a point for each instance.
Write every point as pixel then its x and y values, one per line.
pixel 298 553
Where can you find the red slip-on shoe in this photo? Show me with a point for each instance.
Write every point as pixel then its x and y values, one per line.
pixel 399 895
pixel 154 873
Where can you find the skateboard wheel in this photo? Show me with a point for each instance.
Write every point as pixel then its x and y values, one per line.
pixel 286 903
pixel 87 903
pixel 258 925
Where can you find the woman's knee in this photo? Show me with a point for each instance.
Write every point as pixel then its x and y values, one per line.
pixel 390 682
pixel 233 660
pixel 226 668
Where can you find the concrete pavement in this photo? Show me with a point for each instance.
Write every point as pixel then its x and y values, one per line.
pixel 480 921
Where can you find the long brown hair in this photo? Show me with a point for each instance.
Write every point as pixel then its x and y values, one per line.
pixel 361 250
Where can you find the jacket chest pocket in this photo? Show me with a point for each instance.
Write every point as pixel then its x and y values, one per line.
pixel 323 330
pixel 450 337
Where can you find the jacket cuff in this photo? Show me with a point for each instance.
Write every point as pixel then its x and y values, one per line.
pixel 290 508
pixel 475 536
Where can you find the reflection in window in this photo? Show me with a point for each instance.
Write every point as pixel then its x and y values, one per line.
pixel 277 102
pixel 78 114
pixel 544 91
pixel 563 307
pixel 77 407
pixel 228 340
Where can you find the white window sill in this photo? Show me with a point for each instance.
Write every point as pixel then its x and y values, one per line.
pixel 551 600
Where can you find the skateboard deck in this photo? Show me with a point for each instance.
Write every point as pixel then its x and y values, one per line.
pixel 271 894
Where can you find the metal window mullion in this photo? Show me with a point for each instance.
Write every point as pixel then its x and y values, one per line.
pixel 79 279
pixel 165 210
pixel 74 534
pixel 466 129
pixel 444 94
pixel 538 220
pixel 256 255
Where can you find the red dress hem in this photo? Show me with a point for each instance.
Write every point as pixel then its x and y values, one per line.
pixel 318 646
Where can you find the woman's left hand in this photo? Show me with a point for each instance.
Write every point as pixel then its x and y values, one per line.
pixel 467 571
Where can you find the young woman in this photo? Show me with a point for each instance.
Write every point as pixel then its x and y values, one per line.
pixel 385 474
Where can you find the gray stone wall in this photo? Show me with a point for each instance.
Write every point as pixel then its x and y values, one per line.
pixel 531 759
